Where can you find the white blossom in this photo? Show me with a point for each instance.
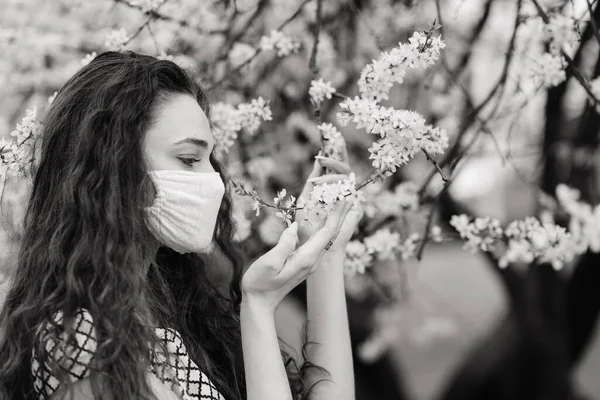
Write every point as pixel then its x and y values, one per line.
pixel 88 58
pixel 116 39
pixel 358 258
pixel 51 98
pixel 276 40
pixel 228 121
pixel 378 77
pixel 270 229
pixel 16 155
pixel 584 225
pixel 320 90
pixel 436 234
pixel 561 33
pixel 242 224
pixel 408 247
pixel 480 234
pixel 546 70
pixel 403 132
pixel 146 5
pixel 329 131
pixel 407 195
pixel 323 197
pixel 240 53
pixel 383 244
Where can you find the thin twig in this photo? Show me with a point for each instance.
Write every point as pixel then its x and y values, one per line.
pixel 312 63
pixel 158 50
pixel 427 230
pixel 593 22
pixel 182 23
pixel 436 165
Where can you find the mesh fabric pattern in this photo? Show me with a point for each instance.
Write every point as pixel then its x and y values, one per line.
pixel 176 369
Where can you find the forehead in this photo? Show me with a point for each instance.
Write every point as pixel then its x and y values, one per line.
pixel 179 117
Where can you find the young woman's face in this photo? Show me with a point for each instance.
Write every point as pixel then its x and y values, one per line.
pixel 180 138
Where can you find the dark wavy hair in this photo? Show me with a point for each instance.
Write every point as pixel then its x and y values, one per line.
pixel 85 243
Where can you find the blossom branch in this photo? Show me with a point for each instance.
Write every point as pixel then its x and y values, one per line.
pixel 232 72
pixel 163 17
pixel 571 65
pixel 473 115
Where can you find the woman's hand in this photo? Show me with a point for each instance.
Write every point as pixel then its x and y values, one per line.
pixel 270 278
pixel 340 170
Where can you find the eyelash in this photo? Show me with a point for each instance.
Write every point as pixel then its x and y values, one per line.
pixel 189 161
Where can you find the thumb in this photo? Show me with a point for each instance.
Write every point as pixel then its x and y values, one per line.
pixel 287 242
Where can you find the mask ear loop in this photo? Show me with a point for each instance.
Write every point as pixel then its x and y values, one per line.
pixel 157 202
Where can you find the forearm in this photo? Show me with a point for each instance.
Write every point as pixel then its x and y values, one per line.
pixel 266 378
pixel 328 328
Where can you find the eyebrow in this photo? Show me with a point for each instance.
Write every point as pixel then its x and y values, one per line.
pixel 197 142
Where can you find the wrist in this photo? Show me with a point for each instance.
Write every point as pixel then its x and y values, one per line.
pixel 335 252
pixel 256 308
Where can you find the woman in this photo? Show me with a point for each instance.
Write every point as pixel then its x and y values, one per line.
pixel 128 215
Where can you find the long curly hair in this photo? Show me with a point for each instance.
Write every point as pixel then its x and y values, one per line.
pixel 85 243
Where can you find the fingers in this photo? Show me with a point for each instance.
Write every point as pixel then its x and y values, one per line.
pixel 344 159
pixel 327 179
pixel 336 165
pixel 300 264
pixel 316 172
pixel 316 244
pixel 285 246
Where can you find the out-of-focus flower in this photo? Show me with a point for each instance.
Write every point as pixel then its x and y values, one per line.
pixel 434 328
pixel 561 33
pixel 270 229
pixel 320 90
pixel 116 39
pixel 329 131
pixel 408 247
pixel 407 195
pixel 526 240
pixel 383 244
pixel 358 258
pixel 16 155
pixel 276 40
pixel 547 70
pixel 240 53
pixel 88 58
pixel 242 224
pixel 228 121
pixel 436 234
pixel 480 234
pixel 147 5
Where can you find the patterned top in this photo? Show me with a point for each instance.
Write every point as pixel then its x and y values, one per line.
pixel 181 374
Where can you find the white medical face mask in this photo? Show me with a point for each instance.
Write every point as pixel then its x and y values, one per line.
pixel 184 213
